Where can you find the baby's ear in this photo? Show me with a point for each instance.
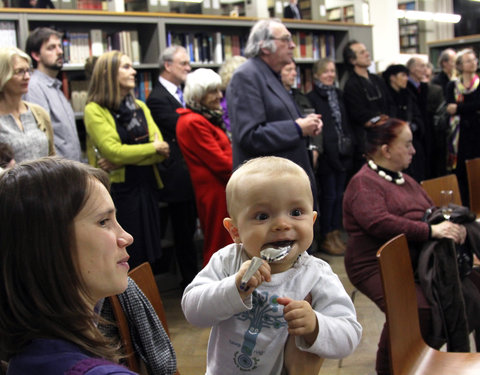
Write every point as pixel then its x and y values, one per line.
pixel 232 229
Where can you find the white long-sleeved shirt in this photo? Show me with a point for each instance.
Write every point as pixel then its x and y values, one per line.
pixel 249 336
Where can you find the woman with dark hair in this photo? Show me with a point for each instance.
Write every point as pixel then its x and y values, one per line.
pixel 62 251
pixel 121 130
pixel 379 203
pixel 402 105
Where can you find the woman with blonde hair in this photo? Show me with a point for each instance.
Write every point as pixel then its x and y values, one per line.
pixel 226 72
pixel 121 129
pixel 463 104
pixel 24 126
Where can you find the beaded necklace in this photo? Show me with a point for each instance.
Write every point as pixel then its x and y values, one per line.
pixel 390 176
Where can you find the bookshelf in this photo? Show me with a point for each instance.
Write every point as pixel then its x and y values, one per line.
pixel 457 44
pixel 408 30
pixel 341 14
pixel 210 38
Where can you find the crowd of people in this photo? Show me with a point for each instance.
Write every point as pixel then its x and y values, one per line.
pixel 352 157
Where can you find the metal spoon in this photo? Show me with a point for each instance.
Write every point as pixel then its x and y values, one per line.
pixel 269 254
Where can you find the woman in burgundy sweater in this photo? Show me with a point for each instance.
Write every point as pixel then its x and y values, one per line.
pixel 379 203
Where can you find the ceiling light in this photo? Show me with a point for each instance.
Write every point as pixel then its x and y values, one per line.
pixel 428 16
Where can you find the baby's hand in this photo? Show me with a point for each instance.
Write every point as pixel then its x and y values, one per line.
pixel 262 274
pixel 301 319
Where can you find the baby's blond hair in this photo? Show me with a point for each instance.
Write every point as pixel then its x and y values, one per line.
pixel 270 167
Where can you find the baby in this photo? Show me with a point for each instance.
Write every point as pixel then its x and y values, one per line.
pixel 270 204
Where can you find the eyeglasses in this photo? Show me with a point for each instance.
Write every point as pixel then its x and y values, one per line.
pixel 285 38
pixel 22 72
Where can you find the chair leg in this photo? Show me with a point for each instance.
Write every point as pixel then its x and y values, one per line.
pixel 352 297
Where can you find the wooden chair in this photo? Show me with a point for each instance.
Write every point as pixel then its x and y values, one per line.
pixel 144 278
pixel 409 354
pixel 433 187
pixel 473 175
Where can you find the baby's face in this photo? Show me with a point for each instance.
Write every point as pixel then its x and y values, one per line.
pixel 274 214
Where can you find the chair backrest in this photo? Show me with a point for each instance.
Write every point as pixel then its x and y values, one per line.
pixel 122 324
pixel 473 174
pixel 401 302
pixel 145 280
pixel 434 186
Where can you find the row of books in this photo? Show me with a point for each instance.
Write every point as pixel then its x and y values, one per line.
pixel 216 47
pixel 313 46
pixel 8 34
pixel 144 85
pixel 208 47
pixel 78 46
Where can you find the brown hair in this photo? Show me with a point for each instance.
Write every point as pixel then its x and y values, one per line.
pixel 384 132
pixel 42 293
pixel 104 88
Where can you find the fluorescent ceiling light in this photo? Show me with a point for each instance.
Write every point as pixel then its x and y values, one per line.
pixel 428 16
pixel 188 1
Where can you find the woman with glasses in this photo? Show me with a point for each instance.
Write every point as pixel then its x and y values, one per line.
pixel 463 98
pixel 121 130
pixel 24 126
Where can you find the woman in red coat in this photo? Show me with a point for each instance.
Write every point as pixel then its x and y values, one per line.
pixel 207 150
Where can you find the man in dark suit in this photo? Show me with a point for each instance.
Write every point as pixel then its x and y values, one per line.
pixel 292 11
pixel 163 101
pixel 263 116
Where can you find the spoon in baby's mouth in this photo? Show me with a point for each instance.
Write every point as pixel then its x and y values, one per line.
pixel 269 254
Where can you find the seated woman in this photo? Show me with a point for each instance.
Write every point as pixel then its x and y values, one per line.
pixel 24 126
pixel 121 130
pixel 64 252
pixel 208 154
pixel 379 203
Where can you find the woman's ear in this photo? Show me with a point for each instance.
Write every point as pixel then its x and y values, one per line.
pixel 385 151
pixel 232 229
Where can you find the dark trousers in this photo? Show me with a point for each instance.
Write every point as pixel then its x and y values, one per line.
pixel 183 216
pixel 332 186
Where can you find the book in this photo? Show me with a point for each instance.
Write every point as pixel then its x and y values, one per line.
pixel 96 42
pixel 227 46
pixel 218 49
pixel 135 46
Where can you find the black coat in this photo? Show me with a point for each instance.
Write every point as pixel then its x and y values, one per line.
pixel 402 105
pixel 330 160
pixel 174 171
pixel 364 99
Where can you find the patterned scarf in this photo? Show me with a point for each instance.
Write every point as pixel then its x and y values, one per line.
pixel 214 116
pixel 332 102
pixel 454 130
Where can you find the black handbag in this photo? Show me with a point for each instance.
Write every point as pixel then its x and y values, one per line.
pixel 345 144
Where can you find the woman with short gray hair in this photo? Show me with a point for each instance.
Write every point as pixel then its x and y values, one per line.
pixel 208 153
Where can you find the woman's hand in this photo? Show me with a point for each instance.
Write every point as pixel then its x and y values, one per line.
pixel 161 147
pixel 452 108
pixel 106 165
pixel 447 229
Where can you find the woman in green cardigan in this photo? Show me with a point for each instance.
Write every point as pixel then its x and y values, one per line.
pixel 121 130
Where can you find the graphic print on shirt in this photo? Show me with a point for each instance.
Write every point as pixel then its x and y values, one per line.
pixel 266 313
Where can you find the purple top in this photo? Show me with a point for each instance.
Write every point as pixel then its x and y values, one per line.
pixel 56 357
